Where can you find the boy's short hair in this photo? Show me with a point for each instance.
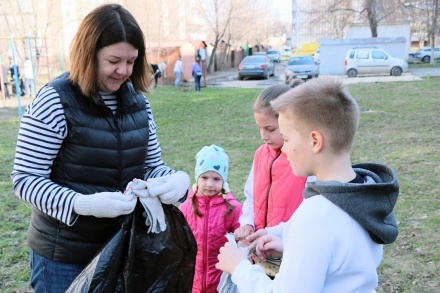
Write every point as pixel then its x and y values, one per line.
pixel 262 103
pixel 325 105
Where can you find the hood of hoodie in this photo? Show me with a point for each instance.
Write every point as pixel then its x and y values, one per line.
pixel 370 203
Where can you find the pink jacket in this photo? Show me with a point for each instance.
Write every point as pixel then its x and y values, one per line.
pixel 209 231
pixel 277 191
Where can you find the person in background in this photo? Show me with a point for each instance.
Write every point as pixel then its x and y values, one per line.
pixel 211 211
pixel 163 70
pixel 201 52
pixel 196 72
pixel 334 241
pixel 85 136
pixel 178 69
pixel 5 82
pixel 15 80
pixel 28 78
pixel 272 191
pixel 156 73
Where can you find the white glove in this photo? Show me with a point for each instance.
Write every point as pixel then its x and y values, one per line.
pixel 168 188
pixel 104 204
pixel 155 217
pixel 138 187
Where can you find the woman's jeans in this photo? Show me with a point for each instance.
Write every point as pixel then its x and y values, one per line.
pixel 197 82
pixel 177 82
pixel 48 276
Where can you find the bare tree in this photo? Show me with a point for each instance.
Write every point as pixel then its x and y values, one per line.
pixel 217 15
pixel 371 11
pixel 424 17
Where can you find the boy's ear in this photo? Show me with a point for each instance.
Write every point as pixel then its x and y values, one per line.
pixel 316 141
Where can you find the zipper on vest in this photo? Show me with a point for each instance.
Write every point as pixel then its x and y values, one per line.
pixel 117 132
pixel 268 190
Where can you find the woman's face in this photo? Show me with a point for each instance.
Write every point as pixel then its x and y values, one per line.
pixel 115 65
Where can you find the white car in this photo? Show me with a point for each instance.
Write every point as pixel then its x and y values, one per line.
pixel 372 61
pixel 316 56
pixel 424 54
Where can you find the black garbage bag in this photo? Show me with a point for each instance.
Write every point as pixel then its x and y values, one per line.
pixel 136 261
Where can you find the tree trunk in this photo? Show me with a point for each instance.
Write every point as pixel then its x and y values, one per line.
pixel 372 17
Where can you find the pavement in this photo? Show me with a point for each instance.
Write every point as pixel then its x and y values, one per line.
pixel 229 78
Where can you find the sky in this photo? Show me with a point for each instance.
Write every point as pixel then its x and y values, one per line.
pixel 283 8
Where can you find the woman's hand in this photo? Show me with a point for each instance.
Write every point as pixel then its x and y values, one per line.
pixel 269 246
pixel 230 256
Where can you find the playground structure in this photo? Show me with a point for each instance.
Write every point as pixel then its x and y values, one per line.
pixel 36 50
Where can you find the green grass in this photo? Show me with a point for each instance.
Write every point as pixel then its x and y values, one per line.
pixel 399 126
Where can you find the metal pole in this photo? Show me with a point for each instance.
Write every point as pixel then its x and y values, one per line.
pixel 34 94
pixel 17 82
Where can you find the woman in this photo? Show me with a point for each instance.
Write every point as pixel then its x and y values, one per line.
pixel 86 135
pixel 196 72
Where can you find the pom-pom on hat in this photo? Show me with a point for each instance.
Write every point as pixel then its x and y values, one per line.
pixel 212 158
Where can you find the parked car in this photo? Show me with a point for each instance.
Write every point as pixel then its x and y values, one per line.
pixel 316 56
pixel 424 54
pixel 274 55
pixel 260 53
pixel 301 67
pixel 256 66
pixel 372 61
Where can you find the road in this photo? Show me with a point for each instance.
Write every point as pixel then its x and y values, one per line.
pixel 231 80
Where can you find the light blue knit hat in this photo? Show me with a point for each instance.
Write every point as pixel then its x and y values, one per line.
pixel 212 158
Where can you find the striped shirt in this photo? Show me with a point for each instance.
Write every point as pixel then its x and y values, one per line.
pixel 42 130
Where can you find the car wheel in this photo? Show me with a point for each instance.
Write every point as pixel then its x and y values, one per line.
pixel 267 74
pixel 396 71
pixel 426 59
pixel 352 73
pixel 240 77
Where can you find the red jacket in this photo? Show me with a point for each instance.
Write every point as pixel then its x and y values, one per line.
pixel 277 191
pixel 209 231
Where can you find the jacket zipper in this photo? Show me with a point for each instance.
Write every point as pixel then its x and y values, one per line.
pixel 205 242
pixel 268 190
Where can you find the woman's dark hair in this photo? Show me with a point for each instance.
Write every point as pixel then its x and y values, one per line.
pixel 199 214
pixel 104 26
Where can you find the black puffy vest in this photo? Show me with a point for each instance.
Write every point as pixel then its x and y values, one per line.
pixel 102 152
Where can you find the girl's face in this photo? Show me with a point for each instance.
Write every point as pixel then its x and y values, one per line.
pixel 210 183
pixel 269 131
pixel 115 65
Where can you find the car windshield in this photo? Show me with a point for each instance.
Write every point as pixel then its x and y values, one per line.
pixel 254 60
pixel 301 60
pixel 273 52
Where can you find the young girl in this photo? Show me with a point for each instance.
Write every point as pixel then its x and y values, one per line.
pixel 211 211
pixel 272 191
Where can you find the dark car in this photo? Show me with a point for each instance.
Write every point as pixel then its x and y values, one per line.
pixel 256 66
pixel 301 67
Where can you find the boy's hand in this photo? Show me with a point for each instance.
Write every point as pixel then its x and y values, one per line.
pixel 254 238
pixel 241 232
pixel 230 257
pixel 269 246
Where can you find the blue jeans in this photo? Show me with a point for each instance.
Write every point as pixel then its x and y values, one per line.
pixel 177 82
pixel 197 82
pixel 48 276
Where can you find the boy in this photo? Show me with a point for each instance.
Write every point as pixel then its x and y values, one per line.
pixel 333 242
